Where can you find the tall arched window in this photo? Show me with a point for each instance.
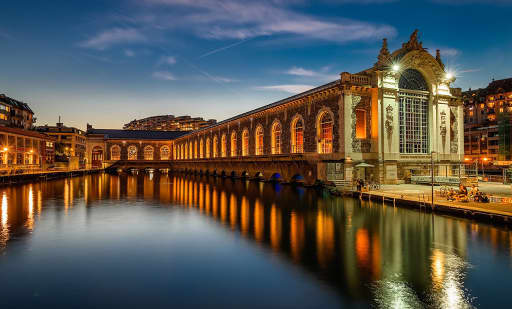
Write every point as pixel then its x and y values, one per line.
pixel 201 153
pixel 195 149
pixel 276 138
pixel 148 153
pixel 223 146
pixel 215 146
pixel 413 112
pixel 297 135
pixel 190 150
pixel 325 131
pixel 245 142
pixel 174 153
pixel 182 152
pixel 132 152
pixel 258 143
pixel 115 153
pixel 164 152
pixel 186 150
pixel 207 148
pixel 233 144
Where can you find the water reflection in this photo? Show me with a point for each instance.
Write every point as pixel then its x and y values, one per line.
pixel 367 251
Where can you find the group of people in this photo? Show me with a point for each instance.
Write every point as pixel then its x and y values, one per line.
pixel 464 196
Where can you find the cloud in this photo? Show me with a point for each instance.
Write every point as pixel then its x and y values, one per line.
pixel 115 36
pixel 242 19
pixel 319 75
pixel 167 60
pixel 294 89
pixel 470 71
pixel 129 53
pixel 224 79
pixel 163 75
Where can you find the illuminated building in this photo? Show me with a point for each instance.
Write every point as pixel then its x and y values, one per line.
pixel 69 141
pixel 169 123
pixel 14 113
pixel 487 122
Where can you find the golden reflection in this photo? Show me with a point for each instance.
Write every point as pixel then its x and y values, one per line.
pixel 223 206
pixel 362 247
pixel 324 238
pixel 190 195
pixel 437 268
pixel 376 258
pixel 275 227
pixel 296 235
pixel 215 202
pixel 244 216
pixel 40 202
pixel 66 196
pixel 232 211
pixel 30 214
pixel 4 209
pixel 207 197
pixel 201 196
pixel 259 220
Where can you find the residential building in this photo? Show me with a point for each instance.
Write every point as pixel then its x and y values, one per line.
pixel 69 141
pixel 14 113
pixel 169 123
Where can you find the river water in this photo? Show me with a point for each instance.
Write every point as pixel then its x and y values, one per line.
pixel 161 241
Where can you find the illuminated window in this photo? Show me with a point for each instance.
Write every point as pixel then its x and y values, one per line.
pixel 233 144
pixel 361 123
pixel 164 153
pixel 132 152
pixel 148 153
pixel 3 117
pixel 115 153
pixel 201 149
pixel 276 138
pixel 215 146
pixel 482 106
pixel 245 142
pixel 207 152
pixel 325 130
pixel 297 135
pixel 501 109
pixel 223 146
pixel 471 113
pixel 195 149
pixel 258 141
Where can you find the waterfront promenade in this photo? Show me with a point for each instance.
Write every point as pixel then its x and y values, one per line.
pixel 498 209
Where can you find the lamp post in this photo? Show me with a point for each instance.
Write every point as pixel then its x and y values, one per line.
pixel 432 174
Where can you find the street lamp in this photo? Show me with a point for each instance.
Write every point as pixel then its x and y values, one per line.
pixel 432 174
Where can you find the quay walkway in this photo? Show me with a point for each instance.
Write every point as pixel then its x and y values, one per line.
pixel 498 210
pixel 36 175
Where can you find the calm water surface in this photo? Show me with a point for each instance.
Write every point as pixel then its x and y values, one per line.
pixel 158 241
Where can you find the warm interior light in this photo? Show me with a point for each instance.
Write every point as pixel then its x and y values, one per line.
pixel 485 159
pixel 5 148
pixel 396 67
pixel 466 159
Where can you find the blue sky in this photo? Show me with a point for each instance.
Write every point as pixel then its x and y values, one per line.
pixel 109 62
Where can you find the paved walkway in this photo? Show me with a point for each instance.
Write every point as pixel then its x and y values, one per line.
pixel 500 196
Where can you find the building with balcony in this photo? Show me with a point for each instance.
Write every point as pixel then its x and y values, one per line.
pixel 15 114
pixel 487 123
pixel 169 123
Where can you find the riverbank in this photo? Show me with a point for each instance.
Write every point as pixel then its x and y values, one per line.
pixel 498 210
pixel 44 175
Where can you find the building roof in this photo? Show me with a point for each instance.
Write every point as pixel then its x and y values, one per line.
pixel 25 133
pixel 136 134
pixel 58 129
pixel 15 103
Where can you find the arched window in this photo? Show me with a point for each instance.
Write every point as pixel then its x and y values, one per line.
pixel 413 112
pixel 215 146
pixel 195 149
pixel 115 153
pixel 233 144
pixel 182 152
pixel 258 136
pixel 148 153
pixel 276 138
pixel 325 131
pixel 245 142
pixel 223 146
pixel 186 150
pixel 164 153
pixel 190 151
pixel 201 153
pixel 132 152
pixel 207 148
pixel 297 135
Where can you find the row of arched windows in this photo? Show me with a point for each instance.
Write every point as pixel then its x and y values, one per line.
pixel 325 124
pixel 115 152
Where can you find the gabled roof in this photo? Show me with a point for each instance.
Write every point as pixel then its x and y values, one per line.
pixel 136 134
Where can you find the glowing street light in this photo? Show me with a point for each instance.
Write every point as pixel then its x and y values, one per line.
pixel 396 67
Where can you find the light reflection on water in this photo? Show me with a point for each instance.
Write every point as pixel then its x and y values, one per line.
pixel 370 253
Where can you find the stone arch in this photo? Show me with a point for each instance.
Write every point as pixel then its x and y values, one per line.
pixel 276 137
pixel 259 136
pixel 149 153
pixel 297 129
pixel 276 177
pixel 115 153
pixel 164 152
pixel 132 152
pixel 325 130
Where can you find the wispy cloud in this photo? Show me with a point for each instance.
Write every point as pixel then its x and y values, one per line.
pixel 115 36
pixel 322 74
pixel 224 79
pixel 294 89
pixel 163 75
pixel 446 51
pixel 167 60
pixel 222 48
pixel 470 71
pixel 129 53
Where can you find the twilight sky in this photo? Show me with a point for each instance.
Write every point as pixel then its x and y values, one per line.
pixel 109 62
